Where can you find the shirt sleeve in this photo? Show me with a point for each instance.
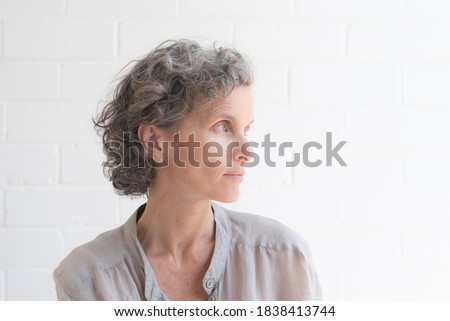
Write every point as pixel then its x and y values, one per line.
pixel 60 292
pixel 301 281
pixel 315 288
pixel 307 274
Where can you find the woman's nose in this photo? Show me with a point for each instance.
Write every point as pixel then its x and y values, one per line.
pixel 245 151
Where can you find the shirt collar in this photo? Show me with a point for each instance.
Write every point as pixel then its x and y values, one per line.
pixel 218 261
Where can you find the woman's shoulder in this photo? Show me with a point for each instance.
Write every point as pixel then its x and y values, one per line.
pixel 261 231
pixel 100 250
pixel 106 250
pixel 280 253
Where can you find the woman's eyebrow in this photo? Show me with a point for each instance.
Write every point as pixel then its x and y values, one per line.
pixel 225 115
pixel 217 113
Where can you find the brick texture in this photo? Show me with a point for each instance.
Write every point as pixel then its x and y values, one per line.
pixel 374 73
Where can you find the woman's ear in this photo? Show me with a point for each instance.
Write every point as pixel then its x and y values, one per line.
pixel 150 136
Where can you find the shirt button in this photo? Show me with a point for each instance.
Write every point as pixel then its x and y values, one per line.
pixel 209 284
pixel 212 299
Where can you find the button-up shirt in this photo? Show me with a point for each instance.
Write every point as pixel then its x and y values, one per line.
pixel 254 258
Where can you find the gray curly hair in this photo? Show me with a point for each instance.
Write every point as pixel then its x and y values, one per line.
pixel 161 89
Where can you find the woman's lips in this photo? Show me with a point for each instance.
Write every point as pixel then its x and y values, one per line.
pixel 238 176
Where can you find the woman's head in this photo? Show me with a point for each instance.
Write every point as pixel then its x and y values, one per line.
pixel 162 89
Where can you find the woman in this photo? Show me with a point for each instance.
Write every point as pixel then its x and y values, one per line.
pixel 176 132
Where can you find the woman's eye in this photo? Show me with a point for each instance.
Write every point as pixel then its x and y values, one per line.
pixel 223 126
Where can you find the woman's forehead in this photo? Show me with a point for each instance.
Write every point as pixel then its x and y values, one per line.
pixel 234 106
pixel 217 110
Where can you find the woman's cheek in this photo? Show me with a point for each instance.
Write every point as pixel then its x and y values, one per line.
pixel 213 152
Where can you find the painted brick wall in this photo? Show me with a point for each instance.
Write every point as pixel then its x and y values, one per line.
pixel 375 73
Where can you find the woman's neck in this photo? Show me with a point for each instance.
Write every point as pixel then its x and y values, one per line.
pixel 175 228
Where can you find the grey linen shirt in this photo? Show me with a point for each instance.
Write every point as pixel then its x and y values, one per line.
pixel 255 258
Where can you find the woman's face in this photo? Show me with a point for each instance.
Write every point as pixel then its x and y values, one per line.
pixel 210 149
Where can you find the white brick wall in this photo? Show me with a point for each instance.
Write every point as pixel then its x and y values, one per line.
pixel 56 37
pixel 138 37
pixel 50 122
pixel 15 166
pixel 67 211
pixel 75 86
pixel 2 122
pixel 39 79
pixel 432 9
pixel 426 248
pixel 425 84
pixel 30 284
pixel 426 128
pixel 43 248
pixel 123 8
pixel 24 7
pixel 400 41
pixel 290 40
pixel 395 283
pixel 352 9
pixel 362 127
pixel 82 164
pixel 2 285
pixel 375 73
pixel 279 93
pixel 236 8
pixel 1 37
pixel 2 208
pixel 345 83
